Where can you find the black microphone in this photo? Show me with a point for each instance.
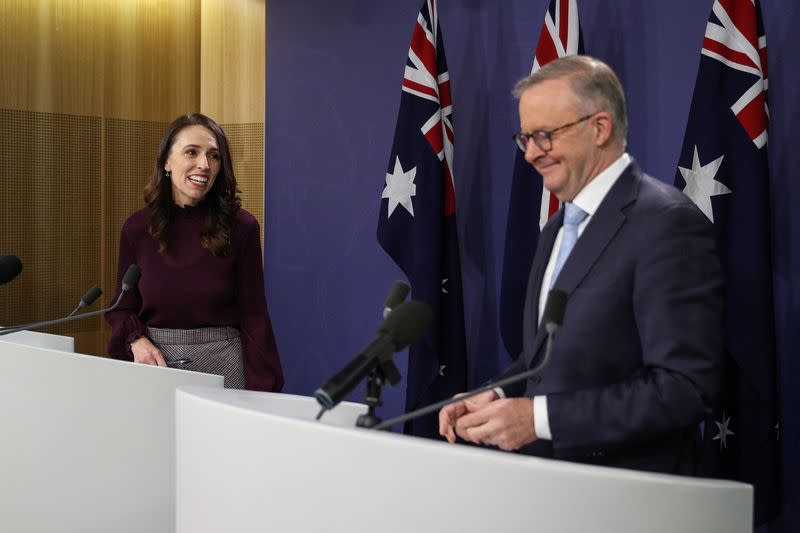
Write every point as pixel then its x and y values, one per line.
pixel 397 295
pixel 129 281
pixel 10 267
pixel 552 318
pixel 87 299
pixel 404 325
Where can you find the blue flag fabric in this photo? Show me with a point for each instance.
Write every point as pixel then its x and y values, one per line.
pixel 723 169
pixel 522 235
pixel 417 221
pixel 530 205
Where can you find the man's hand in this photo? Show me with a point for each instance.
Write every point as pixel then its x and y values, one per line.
pixel 506 423
pixel 450 414
pixel 146 353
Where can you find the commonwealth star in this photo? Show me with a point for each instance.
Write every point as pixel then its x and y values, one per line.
pixel 701 184
pixel 400 188
pixel 723 431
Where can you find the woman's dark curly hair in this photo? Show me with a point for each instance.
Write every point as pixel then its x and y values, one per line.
pixel 222 200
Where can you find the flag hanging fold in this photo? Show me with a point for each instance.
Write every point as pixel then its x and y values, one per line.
pixel 723 169
pixel 417 221
pixel 531 205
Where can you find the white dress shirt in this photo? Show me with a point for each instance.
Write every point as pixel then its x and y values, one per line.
pixel 589 199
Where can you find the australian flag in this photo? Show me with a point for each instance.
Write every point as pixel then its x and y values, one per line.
pixel 723 169
pixel 417 223
pixel 531 205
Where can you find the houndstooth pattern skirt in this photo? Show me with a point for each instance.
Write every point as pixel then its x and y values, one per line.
pixel 211 350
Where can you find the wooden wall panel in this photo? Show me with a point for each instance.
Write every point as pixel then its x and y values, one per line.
pixel 88 88
pixel 233 52
pixel 247 151
pixel 125 59
pixel 49 212
pixel 152 60
pixel 49 56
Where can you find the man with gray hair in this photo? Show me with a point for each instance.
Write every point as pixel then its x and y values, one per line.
pixel 637 362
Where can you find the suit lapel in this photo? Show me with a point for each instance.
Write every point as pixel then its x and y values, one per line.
pixel 605 223
pixel 598 233
pixel 531 333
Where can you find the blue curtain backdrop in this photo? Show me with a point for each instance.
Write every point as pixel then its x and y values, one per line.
pixel 334 71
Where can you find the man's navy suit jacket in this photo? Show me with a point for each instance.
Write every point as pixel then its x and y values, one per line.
pixel 637 362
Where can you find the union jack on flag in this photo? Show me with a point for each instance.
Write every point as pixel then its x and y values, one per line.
pixel 560 36
pixel 531 205
pixel 734 40
pixel 723 169
pixel 417 221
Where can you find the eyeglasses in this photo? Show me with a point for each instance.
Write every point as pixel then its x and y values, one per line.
pixel 544 139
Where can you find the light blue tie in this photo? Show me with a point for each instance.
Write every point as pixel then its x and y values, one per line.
pixel 573 216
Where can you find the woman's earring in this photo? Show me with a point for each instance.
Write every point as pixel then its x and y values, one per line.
pixel 167 174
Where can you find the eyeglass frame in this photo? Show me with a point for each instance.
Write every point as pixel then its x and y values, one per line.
pixel 522 139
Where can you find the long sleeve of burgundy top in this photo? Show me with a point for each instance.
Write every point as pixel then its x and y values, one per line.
pixel 188 287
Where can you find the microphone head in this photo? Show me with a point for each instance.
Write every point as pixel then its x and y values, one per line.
pixel 131 278
pixel 397 294
pixel 10 267
pixel 554 310
pixel 90 296
pixel 406 323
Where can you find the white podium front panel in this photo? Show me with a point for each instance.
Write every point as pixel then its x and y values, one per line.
pixel 87 444
pixel 249 463
pixel 42 340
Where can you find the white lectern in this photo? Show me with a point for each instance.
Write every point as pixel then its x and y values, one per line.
pixel 258 462
pixel 42 340
pixel 87 444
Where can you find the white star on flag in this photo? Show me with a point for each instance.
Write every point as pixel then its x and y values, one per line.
pixel 441 369
pixel 400 188
pixel 701 185
pixel 723 431
pixel 443 282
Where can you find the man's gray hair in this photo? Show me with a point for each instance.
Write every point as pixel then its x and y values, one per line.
pixel 592 81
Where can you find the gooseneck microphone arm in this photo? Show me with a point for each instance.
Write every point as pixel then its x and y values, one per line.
pixel 38 325
pixel 552 319
pixel 128 282
pixel 422 411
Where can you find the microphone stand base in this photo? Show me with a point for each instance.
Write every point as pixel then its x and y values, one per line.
pixel 372 400
pixel 368 420
pixel 385 372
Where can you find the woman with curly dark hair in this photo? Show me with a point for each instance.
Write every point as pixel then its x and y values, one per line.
pixel 200 302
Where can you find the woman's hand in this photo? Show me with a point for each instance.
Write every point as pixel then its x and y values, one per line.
pixel 146 353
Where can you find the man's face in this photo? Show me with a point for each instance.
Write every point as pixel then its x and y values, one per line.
pixel 566 168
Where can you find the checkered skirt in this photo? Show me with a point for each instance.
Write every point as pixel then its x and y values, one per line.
pixel 211 350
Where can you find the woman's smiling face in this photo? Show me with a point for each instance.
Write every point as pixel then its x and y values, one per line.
pixel 193 163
